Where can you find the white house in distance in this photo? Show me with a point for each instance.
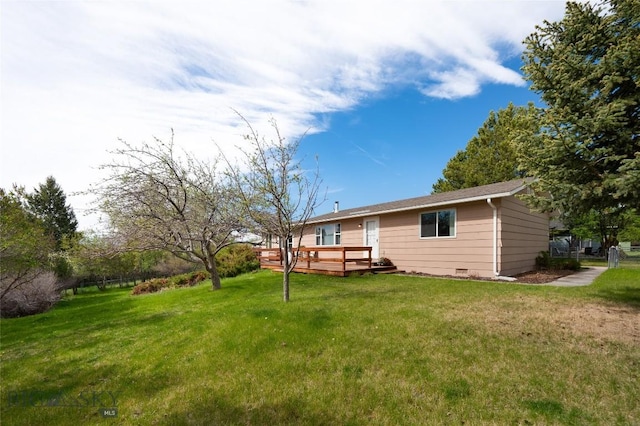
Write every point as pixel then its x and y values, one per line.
pixel 486 231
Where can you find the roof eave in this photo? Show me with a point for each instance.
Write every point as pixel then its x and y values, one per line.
pixel 421 206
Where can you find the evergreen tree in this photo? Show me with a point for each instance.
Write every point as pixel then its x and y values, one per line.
pixel 49 204
pixel 586 68
pixel 491 155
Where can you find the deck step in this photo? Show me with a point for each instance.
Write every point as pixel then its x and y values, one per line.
pixel 389 271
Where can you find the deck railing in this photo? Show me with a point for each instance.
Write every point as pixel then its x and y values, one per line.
pixel 317 255
pixel 313 254
pixel 268 255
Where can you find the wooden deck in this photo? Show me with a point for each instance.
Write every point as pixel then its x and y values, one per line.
pixel 337 261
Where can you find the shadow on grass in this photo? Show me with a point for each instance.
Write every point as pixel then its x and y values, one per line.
pixel 77 396
pixel 623 295
pixel 620 286
pixel 219 410
pixel 88 312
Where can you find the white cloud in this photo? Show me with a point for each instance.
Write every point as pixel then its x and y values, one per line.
pixel 77 75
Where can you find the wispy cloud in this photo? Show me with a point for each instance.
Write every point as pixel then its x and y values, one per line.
pixel 76 75
pixel 369 156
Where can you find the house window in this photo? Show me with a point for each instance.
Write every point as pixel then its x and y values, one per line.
pixel 438 224
pixel 328 235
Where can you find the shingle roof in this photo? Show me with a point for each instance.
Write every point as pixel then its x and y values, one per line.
pixel 494 190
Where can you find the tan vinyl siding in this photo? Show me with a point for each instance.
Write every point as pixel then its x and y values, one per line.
pixel 521 235
pixel 524 234
pixel 469 250
pixel 351 233
pixel 309 237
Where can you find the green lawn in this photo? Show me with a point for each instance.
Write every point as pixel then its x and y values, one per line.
pixel 362 350
pixel 630 262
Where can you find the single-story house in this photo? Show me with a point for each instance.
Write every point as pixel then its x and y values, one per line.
pixel 486 231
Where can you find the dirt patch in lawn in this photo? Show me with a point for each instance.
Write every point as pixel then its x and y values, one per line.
pixel 602 322
pixel 533 316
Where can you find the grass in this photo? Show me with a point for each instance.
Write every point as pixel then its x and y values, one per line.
pixel 361 350
pixel 629 263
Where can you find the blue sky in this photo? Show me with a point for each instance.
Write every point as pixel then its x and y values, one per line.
pixel 390 89
pixel 395 147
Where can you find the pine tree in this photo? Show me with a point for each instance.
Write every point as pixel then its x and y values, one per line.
pixel 586 68
pixel 49 204
pixel 491 155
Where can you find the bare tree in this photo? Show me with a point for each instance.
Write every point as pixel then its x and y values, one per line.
pixel 277 194
pixel 38 292
pixel 156 200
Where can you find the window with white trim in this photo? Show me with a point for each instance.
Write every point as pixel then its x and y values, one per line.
pixel 438 224
pixel 328 235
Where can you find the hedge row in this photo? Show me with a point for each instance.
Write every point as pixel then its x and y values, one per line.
pixel 158 284
pixel 231 261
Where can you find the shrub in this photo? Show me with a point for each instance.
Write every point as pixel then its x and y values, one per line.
pixel 180 280
pixel 236 259
pixel 159 284
pixel 565 264
pixel 231 261
pixel 544 261
pixel 150 286
pixel 34 295
pixel 193 279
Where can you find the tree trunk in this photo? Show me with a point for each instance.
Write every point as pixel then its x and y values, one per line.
pixel 103 285
pixel 212 268
pixel 285 275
